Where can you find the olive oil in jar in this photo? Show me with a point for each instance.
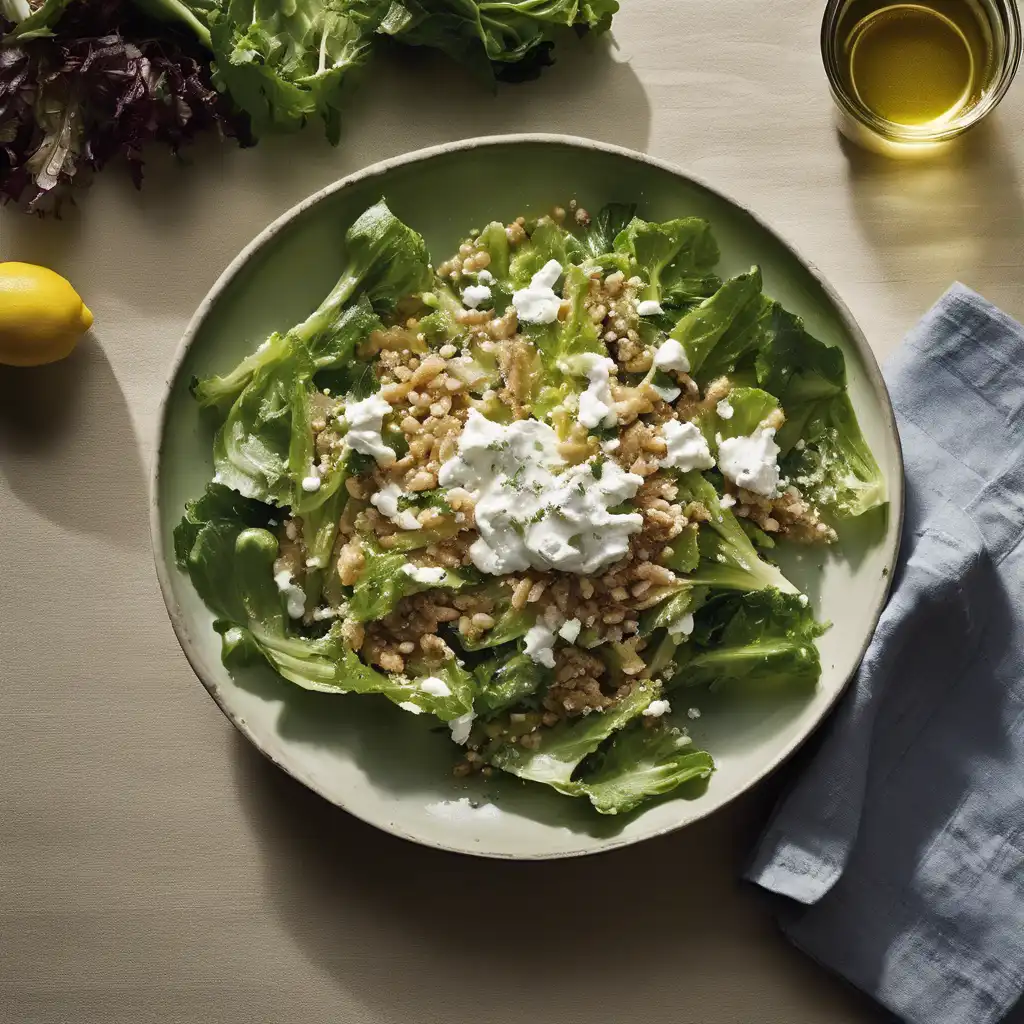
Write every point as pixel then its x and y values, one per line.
pixel 919 65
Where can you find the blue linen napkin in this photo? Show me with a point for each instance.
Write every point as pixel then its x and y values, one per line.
pixel 902 842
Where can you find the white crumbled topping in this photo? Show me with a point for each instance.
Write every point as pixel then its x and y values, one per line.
pixel 475 295
pixel 386 503
pixel 485 277
pixel 657 708
pixel 667 394
pixel 725 409
pixel 295 597
pixel 428 575
pixel 649 307
pixel 538 303
pixel 539 645
pixel 693 712
pixel 682 627
pixel 534 511
pixel 596 402
pixel 800 445
pixel 413 709
pixel 727 501
pixel 570 630
pixel 611 445
pixel 365 420
pixel 435 687
pixel 751 462
pixel 314 563
pixel 670 356
pixel 687 447
pixel 217 478
pixel 461 727
pixel 311 484
pixel 323 614
pixel 804 600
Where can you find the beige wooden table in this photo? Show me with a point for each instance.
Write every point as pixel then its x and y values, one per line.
pixel 154 869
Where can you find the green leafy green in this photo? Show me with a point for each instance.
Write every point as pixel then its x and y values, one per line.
pixel 642 763
pixel 565 745
pixel 668 253
pixel 760 640
pixel 385 258
pixel 700 329
pixel 506 681
pixel 728 560
pixel 508 39
pixel 824 450
pixel 384 582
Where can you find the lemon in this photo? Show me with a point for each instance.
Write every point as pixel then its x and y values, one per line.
pixel 41 315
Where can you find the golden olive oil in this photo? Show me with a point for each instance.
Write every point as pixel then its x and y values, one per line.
pixel 916 64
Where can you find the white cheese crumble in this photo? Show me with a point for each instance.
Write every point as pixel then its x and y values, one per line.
pixel 538 303
pixel 693 712
pixel 311 484
pixel 727 501
pixel 413 709
pixel 323 614
pixel 461 727
pixel 682 627
pixel 649 307
pixel 670 356
pixel 804 600
pixel 435 687
pixel 657 708
pixel 365 420
pixel 539 645
pixel 534 511
pixel 428 575
pixel 385 501
pixel 725 409
pixel 751 462
pixel 295 597
pixel 570 630
pixel 596 402
pixel 687 447
pixel 485 277
pixel 475 295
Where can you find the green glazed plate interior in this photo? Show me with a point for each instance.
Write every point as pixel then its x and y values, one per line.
pixel 363 754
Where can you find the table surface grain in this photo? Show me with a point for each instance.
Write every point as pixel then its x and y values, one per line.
pixel 155 869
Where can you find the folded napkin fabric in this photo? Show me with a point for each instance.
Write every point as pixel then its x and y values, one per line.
pixel 901 845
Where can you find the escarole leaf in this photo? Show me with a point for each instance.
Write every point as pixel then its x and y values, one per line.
pixel 640 764
pixel 508 40
pixel 283 63
pixel 762 640
pixel 727 557
pixel 385 259
pixel 564 746
pixel 824 450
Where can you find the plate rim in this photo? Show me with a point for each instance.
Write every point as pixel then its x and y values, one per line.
pixel 379 169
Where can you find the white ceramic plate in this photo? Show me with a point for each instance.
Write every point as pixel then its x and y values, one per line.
pixel 389 768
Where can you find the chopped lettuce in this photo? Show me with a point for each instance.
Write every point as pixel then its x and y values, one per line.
pixel 385 259
pixel 759 640
pixel 642 763
pixel 384 582
pixel 728 560
pixel 700 329
pixel 598 238
pixel 824 451
pixel 669 256
pixel 564 746
pixel 507 681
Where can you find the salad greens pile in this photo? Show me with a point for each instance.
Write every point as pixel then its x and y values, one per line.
pixel 82 81
pixel 262 544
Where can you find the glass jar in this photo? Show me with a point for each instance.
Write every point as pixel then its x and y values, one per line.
pixel 990 33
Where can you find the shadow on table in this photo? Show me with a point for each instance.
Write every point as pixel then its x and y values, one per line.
pixel 946 217
pixel 414 933
pixel 68 449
